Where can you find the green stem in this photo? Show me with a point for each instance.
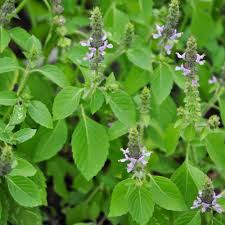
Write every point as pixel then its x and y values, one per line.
pixel 188 151
pixel 18 9
pixel 213 100
pixel 47 5
pixel 24 80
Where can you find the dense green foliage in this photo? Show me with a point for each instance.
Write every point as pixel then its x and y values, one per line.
pixel 84 84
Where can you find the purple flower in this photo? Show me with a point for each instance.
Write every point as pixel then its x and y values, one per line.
pixel 159 29
pixel 180 56
pixel 168 49
pixel 194 82
pixel 92 50
pixel 133 162
pixel 175 35
pixel 204 206
pixel 199 59
pixel 213 80
pixel 186 71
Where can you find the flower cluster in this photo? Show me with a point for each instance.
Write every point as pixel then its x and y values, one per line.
pixel 214 121
pixel 185 67
pixel 96 50
pixel 192 108
pixel 136 155
pixel 6 9
pixel 145 106
pixel 59 20
pixel 213 80
pixel 168 32
pixel 98 42
pixel 6 161
pixel 128 35
pixel 207 199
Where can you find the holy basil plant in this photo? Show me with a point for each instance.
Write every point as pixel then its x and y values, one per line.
pixel 112 112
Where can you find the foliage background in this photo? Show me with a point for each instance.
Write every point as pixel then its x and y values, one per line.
pixel 69 198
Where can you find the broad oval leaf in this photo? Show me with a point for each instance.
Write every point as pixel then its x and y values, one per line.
pixel 49 141
pixel 166 194
pixel 23 135
pixel 140 57
pixel 23 168
pixel 8 98
pixel 141 205
pixel 18 115
pixel 119 200
pixel 188 218
pixel 97 100
pixel 54 74
pixel 24 191
pixel 40 114
pixel 4 39
pixel 123 107
pixel 90 146
pixel 216 148
pixel 189 180
pixel 162 82
pixel 7 64
pixel 66 102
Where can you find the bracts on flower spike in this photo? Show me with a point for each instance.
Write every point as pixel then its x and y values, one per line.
pixel 97 43
pixel 135 155
pixel 207 199
pixel 168 32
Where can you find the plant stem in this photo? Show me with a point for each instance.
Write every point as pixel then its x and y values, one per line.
pixel 18 9
pixel 24 80
pixel 213 100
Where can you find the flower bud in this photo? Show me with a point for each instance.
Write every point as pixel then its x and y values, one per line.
pixel 133 145
pixel 128 35
pixel 6 9
pixel 214 121
pixel 6 160
pixel 97 28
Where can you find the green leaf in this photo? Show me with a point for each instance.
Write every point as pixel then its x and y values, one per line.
pixel 117 129
pixel 49 141
pixel 188 218
pixel 123 107
pixel 20 36
pixel 201 23
pixel 97 100
pixel 162 82
pixel 4 39
pixel 40 114
pixel 171 138
pixel 25 216
pixel 54 74
pixel 8 98
pixel 189 180
pixel 24 135
pixel 119 200
pixel 24 191
pixel 166 194
pixel 140 57
pixel 7 65
pixel 66 102
pixel 23 168
pixel 141 205
pixel 136 79
pixel 115 21
pixel 216 148
pixel 90 146
pixel 18 115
